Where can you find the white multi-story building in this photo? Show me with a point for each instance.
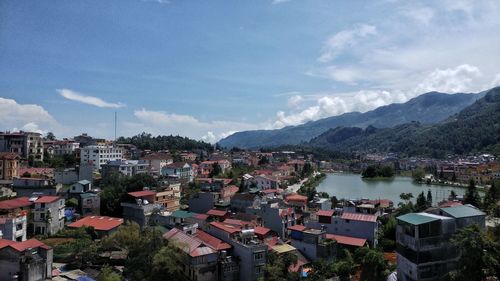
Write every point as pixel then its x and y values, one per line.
pixel 98 155
pixel 61 147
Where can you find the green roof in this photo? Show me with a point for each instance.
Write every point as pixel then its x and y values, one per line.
pixel 416 219
pixel 182 214
pixel 462 211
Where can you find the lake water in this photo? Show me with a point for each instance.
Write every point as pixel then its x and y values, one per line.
pixel 352 186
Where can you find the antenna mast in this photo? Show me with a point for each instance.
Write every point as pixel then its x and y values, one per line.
pixel 115 126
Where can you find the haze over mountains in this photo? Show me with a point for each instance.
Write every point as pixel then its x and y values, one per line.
pixel 429 108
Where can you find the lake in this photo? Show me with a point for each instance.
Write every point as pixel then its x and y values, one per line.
pixel 352 186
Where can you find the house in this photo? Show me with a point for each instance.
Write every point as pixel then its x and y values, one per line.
pixel 246 247
pixel 202 202
pixel 14 218
pixel 141 207
pixel 125 167
pixel 206 167
pixel 30 260
pixel 297 201
pixel 72 175
pixel 9 165
pixel 355 225
pixel 275 218
pixel 33 172
pixel 207 257
pixel 169 197
pixel 321 203
pixel 98 155
pixel 179 170
pixel 264 182
pixel 157 161
pixel 61 147
pixel 241 201
pixel 424 250
pixel 25 144
pixel 89 204
pixel 312 243
pixel 81 187
pixel 48 215
pixel 104 226
pixel 300 265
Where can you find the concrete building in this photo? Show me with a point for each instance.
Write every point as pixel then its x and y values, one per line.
pixel 61 147
pixel 251 252
pixel 157 161
pixel 14 218
pixel 241 201
pixel 48 215
pixel 89 204
pixel 38 186
pixel 125 167
pixel 141 207
pixel 30 260
pixel 424 250
pixel 275 218
pixel 179 170
pixel 72 175
pixel 98 155
pixel 312 243
pixel 354 225
pixel 81 187
pixel 9 165
pixel 264 182
pixel 25 144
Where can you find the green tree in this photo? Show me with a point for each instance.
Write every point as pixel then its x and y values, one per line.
pixel 406 206
pixel 216 170
pixel 491 197
pixel 421 202
pixel 374 267
pixel 345 267
pixel 480 255
pixel 387 234
pixel 418 174
pixel 263 161
pixel 429 198
pixel 50 136
pixel 167 263
pixel 472 195
pixel 108 274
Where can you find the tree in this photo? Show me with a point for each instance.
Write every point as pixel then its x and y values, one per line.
pixel 491 197
pixel 216 170
pixel 453 195
pixel 472 195
pixel 374 267
pixel 263 161
pixel 107 274
pixel 167 263
pixel 429 198
pixel 406 206
pixel 421 202
pixel 387 234
pixel 418 174
pixel 50 136
pixel 278 267
pixel 480 255
pixel 345 267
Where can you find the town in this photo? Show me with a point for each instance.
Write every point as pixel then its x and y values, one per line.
pixel 154 208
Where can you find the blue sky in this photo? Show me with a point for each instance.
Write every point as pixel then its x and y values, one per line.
pixel 204 69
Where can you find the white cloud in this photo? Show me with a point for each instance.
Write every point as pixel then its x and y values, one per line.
pixel 159 122
pixel 27 117
pixel 496 81
pixel 451 80
pixel 422 15
pixel 344 39
pixel 294 101
pixel 95 101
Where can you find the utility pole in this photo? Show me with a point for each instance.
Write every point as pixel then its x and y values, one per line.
pixel 115 126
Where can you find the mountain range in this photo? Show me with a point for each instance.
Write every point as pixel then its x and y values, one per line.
pixel 428 108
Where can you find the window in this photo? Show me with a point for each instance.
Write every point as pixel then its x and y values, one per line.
pixel 258 256
pixel 19 226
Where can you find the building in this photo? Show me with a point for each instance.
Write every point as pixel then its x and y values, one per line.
pixel 264 182
pixel 89 204
pixel 241 201
pixel 61 147
pixel 38 186
pixel 104 226
pixel 355 225
pixel 14 218
pixel 312 243
pixel 276 218
pixel 48 215
pixel 157 161
pixel 207 257
pixel 247 248
pixel 98 155
pixel 28 145
pixel 30 260
pixel 206 167
pixel 170 197
pixel 81 187
pixel 9 165
pixel 424 250
pixel 179 170
pixel 125 167
pixel 141 207
pixel 72 175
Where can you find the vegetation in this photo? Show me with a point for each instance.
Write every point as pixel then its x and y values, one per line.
pixel 472 195
pixel 407 205
pixel 107 274
pixel 277 267
pixel 387 234
pixel 491 197
pixel 309 187
pixel 378 171
pixel 175 143
pixel 418 174
pixel 480 255
pixel 374 267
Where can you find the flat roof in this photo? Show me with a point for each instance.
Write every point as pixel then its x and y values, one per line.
pixel 462 211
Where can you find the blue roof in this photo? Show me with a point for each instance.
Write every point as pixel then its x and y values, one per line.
pixel 182 214
pixel 463 211
pixel 416 218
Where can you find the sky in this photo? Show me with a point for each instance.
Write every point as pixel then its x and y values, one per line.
pixel 206 69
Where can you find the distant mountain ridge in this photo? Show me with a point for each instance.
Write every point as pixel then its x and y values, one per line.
pixel 428 108
pixel 474 129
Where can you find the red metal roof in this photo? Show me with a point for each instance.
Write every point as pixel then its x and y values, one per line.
pixel 226 227
pixel 297 227
pixel 217 213
pixel 297 197
pixel 47 199
pixel 325 213
pixel 9 156
pixel 213 242
pixel 450 204
pixel 189 244
pixel 98 222
pixel 22 246
pixel 201 216
pixel 347 240
pixel 359 217
pixel 259 230
pixel 142 193
pixel 235 222
pixel 15 203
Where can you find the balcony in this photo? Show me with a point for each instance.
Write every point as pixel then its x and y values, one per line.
pixel 420 244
